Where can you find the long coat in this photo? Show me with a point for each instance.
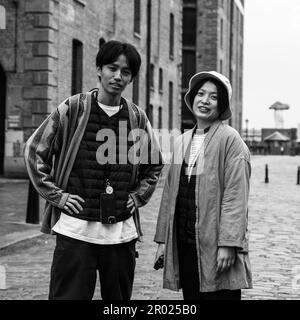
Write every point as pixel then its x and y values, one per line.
pixel 221 195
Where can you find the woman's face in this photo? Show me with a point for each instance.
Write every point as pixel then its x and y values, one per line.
pixel 205 106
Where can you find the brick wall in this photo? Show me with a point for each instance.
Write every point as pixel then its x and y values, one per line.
pixel 36 55
pixel 217 50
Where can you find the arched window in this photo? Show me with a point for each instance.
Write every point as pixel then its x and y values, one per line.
pixel 149 112
pixel 2 17
pixel 171 103
pixel 137 16
pixel 160 118
pixel 221 33
pixel 172 30
pixel 152 76
pixel 77 60
pixel 161 80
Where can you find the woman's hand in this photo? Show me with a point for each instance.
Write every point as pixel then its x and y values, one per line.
pixel 72 205
pixel 225 258
pixel 159 257
pixel 160 251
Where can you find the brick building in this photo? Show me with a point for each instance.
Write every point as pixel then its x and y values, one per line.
pixel 48 50
pixel 213 40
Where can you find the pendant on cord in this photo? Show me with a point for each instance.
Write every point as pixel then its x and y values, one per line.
pixel 109 189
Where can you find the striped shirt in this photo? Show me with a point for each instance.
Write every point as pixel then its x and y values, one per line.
pixel 196 145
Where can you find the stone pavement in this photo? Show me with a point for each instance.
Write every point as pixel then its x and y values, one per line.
pixel 274 224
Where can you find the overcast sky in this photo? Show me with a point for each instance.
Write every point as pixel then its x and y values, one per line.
pixel 271 61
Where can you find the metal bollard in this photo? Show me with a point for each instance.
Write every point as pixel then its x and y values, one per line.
pixel 267 174
pixel 298 176
pixel 33 207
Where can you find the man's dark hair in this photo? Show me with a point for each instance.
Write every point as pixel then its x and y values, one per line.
pixel 111 50
pixel 221 91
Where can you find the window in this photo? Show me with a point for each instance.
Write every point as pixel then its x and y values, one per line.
pixel 188 67
pixel 241 25
pixel 135 90
pixel 161 80
pixel 77 58
pixel 221 66
pixel 189 27
pixel 152 76
pixel 137 16
pixel 240 89
pixel 221 34
pixel 171 52
pixel 149 112
pixel 2 18
pixel 160 118
pixel 101 42
pixel 171 105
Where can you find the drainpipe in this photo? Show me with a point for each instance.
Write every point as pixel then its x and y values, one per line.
pixel 148 54
pixel 231 45
pixel 231 38
pixel 16 4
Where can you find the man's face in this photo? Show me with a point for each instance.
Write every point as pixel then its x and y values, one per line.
pixel 115 76
pixel 205 104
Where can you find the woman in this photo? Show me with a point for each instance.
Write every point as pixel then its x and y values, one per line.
pixel 202 223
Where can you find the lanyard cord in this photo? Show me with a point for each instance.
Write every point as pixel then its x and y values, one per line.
pixel 107 168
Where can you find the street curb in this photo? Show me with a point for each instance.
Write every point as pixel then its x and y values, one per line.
pixel 18 237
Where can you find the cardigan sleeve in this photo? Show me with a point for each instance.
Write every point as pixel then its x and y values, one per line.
pixel 38 155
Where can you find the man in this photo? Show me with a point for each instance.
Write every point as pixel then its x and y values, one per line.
pixel 94 180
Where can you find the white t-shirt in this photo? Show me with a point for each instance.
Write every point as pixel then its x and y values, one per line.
pixel 93 231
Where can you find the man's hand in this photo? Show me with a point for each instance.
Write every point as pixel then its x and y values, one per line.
pixel 130 205
pixel 72 205
pixel 225 258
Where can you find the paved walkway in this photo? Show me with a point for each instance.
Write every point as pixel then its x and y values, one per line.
pixel 274 223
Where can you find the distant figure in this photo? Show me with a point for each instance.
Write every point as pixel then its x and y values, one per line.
pixel 202 222
pixel 282 150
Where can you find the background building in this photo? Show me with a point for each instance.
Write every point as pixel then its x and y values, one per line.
pixel 48 50
pixel 213 33
pixel 275 139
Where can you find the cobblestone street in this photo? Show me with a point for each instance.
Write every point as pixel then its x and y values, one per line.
pixel 274 224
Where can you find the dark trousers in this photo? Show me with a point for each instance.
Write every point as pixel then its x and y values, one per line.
pixel 75 264
pixel 189 277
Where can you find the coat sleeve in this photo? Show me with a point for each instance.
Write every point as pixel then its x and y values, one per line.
pixel 38 155
pixel 162 220
pixel 149 169
pixel 234 205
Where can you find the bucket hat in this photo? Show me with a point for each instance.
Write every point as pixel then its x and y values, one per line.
pixel 226 114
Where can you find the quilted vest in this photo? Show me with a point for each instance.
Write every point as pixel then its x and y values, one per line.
pixel 88 176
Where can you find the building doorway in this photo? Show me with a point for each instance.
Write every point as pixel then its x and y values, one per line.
pixel 2 117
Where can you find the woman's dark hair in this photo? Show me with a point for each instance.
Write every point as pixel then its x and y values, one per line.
pixel 111 50
pixel 221 91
